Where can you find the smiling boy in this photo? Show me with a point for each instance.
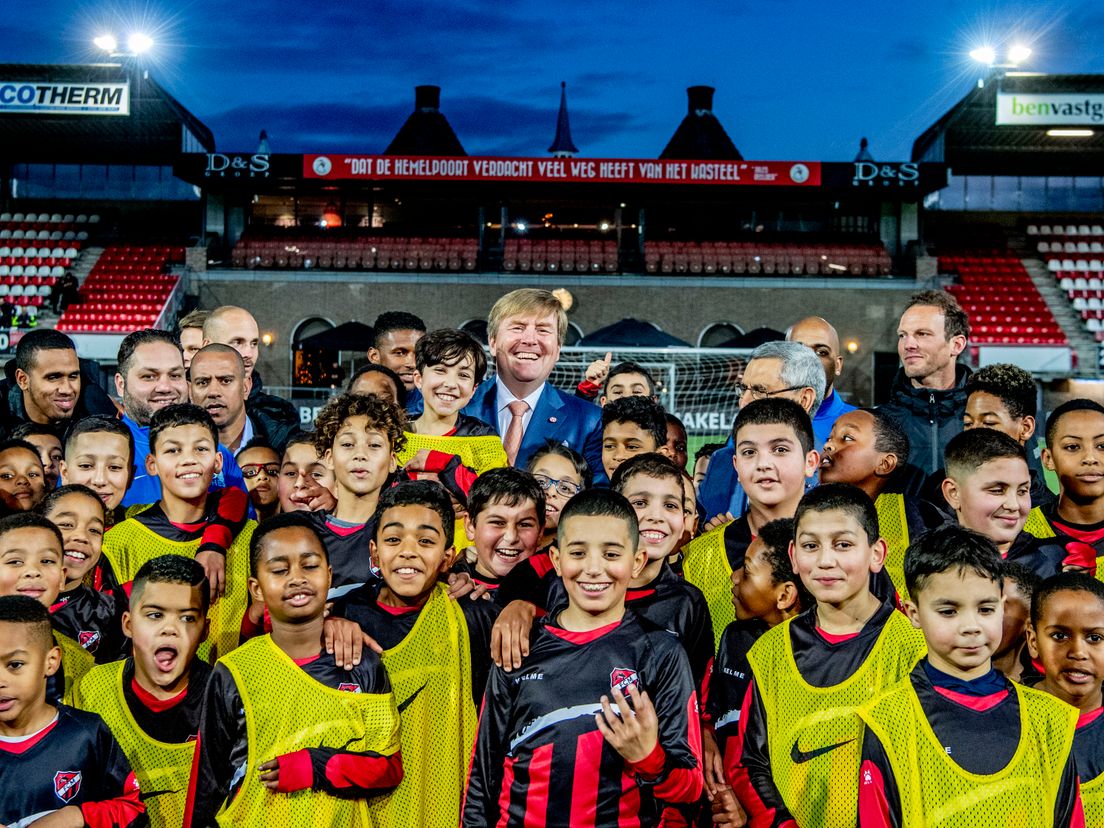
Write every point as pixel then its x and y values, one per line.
pixel 955 741
pixel 592 666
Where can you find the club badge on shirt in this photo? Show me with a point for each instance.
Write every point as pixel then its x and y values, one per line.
pixel 67 784
pixel 621 678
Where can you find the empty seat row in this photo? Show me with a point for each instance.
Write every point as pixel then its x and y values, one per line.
pixel 126 290
pixel 51 218
pixel 1082 265
pixel 1065 230
pixel 8 234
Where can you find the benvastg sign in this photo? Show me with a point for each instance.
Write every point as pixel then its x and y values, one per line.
pixel 1081 109
pixel 45 98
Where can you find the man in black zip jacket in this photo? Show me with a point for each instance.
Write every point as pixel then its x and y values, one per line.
pixel 928 396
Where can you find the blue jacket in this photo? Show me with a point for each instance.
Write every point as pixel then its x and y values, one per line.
pixel 558 416
pixel 147 489
pixel 721 492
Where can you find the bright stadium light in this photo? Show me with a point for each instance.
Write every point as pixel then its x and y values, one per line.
pixel 984 54
pixel 1018 53
pixel 1070 133
pixel 107 42
pixel 139 42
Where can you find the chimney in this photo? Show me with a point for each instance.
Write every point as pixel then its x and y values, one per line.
pixel 700 99
pixel 427 98
pixel 700 136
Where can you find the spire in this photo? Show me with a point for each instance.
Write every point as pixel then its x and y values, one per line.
pixel 864 153
pixel 262 143
pixel 562 146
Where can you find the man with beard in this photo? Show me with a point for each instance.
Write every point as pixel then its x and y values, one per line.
pixel 150 377
pixel 218 384
pixel 46 385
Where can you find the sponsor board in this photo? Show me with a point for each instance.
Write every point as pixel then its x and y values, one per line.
pixel 1080 109
pixel 45 98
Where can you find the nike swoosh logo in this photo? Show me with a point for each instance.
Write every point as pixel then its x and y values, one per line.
pixel 143 795
pixel 405 703
pixel 800 756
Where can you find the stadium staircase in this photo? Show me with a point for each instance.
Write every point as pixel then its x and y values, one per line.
pixel 1080 339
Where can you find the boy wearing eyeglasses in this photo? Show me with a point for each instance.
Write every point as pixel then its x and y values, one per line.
pixel 260 466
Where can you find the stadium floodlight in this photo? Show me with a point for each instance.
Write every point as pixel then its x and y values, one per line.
pixel 984 54
pixel 1018 53
pixel 139 42
pixel 107 42
pixel 1070 133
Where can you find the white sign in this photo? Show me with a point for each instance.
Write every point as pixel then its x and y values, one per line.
pixel 1050 110
pixel 45 98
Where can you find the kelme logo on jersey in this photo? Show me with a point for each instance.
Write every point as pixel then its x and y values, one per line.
pixel 67 784
pixel 349 687
pixel 622 677
pixel 89 639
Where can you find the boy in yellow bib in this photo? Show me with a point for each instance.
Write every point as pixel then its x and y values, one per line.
pixel 436 651
pixel 955 744
pixel 795 760
pixel 288 736
pixel 184 457
pixel 1066 635
pixel 152 701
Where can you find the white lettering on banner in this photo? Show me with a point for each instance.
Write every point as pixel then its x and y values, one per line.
pixel 1049 110
pixel 221 165
pixel 868 172
pixel 705 421
pixel 40 98
pixel 308 414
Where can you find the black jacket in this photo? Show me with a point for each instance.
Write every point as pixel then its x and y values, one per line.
pixel 278 416
pixel 92 400
pixel 929 418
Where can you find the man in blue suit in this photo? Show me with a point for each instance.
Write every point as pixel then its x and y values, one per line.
pixel 525 331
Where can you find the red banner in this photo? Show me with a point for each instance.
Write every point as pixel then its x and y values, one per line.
pixel 568 170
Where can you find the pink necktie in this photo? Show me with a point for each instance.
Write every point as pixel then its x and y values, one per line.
pixel 514 431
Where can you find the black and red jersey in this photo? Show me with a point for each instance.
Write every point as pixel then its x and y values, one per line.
pixel 226 513
pixel 1088 745
pixel 347 548
pixel 1074 544
pixel 478 578
pixel 224 745
pixel 73 761
pixel 729 676
pixel 540 759
pixel 978 724
pixel 668 602
pixel 389 626
pixel 174 720
pixel 93 619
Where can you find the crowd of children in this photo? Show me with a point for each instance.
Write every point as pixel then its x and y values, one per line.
pixel 392 625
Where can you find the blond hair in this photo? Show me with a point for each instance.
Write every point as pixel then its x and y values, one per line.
pixel 527 302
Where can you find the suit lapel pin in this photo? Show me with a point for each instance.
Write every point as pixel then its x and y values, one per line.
pixel 551 419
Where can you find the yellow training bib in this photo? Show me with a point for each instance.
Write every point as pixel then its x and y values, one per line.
pixel 164 769
pixel 814 735
pixel 430 672
pixel 938 793
pixel 286 710
pixel 1037 525
pixel 130 544
pixel 1092 800
pixel 893 526
pixel 75 662
pixel 705 565
pixel 477 453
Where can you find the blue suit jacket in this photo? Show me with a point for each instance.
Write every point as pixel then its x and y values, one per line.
pixel 558 416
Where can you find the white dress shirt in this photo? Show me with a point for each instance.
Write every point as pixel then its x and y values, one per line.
pixel 505 396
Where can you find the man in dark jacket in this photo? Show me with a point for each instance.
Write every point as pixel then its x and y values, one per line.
pixel 47 385
pixel 928 396
pixel 236 327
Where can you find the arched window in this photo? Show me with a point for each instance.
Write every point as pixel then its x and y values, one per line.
pixel 718 333
pixel 313 367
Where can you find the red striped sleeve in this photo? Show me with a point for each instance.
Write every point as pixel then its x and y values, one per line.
pixel 347 770
pixel 120 812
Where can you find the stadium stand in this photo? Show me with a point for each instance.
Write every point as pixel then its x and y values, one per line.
pixel 1074 253
pixel 560 256
pixel 127 289
pixel 1002 302
pixel 305 251
pixel 36 249
pixel 767 258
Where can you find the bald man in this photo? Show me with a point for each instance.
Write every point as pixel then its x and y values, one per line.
pixel 236 327
pixel 819 335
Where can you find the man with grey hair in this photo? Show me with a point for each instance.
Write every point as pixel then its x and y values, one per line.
pixel 775 369
pixel 821 338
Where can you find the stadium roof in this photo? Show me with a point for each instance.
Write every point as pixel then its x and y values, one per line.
pixel 969 139
pixel 155 129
